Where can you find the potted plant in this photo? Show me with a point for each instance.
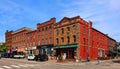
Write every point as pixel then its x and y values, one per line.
pixel 60 59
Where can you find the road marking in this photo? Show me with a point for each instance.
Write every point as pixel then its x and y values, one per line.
pixel 30 65
pixel 7 67
pixel 15 66
pixel 22 65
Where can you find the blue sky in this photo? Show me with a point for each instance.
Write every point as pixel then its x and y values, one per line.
pixel 15 14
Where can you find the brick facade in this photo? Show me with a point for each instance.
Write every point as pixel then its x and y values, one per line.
pixel 66 34
pixel 8 40
pixel 45 32
pixel 45 36
pixel 31 42
pixel 73 36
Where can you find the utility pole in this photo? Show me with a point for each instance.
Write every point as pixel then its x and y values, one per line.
pixel 88 42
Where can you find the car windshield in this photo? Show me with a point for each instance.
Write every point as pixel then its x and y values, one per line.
pixel 30 54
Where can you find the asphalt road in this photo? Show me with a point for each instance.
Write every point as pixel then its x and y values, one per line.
pixel 6 63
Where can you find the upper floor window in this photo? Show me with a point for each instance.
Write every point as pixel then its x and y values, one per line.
pixel 33 43
pixel 74 28
pixel 42 30
pixel 46 41
pixel 50 40
pixel 68 39
pixel 39 42
pixel 46 30
pixel 57 32
pixel 42 41
pixel 50 29
pixel 30 37
pixel 30 43
pixel 57 40
pixel 74 38
pixel 39 32
pixel 62 30
pixel 68 29
pixel 62 39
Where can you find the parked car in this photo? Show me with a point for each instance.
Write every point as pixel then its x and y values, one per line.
pixel 11 55
pixel 6 55
pixel 41 57
pixel 31 57
pixel 19 55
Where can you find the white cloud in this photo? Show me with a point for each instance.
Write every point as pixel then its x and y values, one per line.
pixel 114 5
pixel 101 12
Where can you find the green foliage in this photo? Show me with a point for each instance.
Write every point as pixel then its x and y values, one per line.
pixel 60 58
pixel 3 48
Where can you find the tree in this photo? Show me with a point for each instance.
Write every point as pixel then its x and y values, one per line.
pixel 3 48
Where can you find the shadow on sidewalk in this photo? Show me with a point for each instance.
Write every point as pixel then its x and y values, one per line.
pixel 116 61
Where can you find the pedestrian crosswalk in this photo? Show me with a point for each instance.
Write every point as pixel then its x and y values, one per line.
pixel 17 66
pixel 7 67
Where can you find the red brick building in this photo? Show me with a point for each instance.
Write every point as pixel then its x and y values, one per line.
pixel 99 43
pixel 85 39
pixel 66 37
pixel 15 40
pixel 89 41
pixel 45 36
pixel 8 40
pixel 111 47
pixel 74 37
pixel 31 42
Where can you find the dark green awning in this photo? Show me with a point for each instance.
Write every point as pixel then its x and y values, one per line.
pixel 66 46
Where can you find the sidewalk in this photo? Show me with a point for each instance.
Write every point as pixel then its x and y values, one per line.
pixel 82 63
